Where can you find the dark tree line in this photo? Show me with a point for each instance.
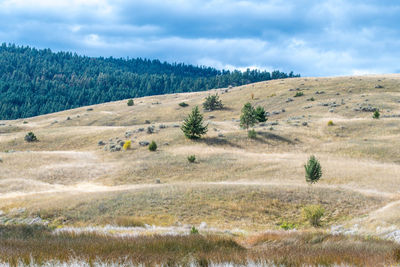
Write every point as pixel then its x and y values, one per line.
pixel 34 82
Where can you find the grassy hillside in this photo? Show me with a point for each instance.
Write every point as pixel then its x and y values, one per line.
pixel 238 187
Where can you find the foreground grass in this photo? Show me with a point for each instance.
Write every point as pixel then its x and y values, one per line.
pixel 24 244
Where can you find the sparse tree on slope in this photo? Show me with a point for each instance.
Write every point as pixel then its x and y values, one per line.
pixel 248 117
pixel 193 127
pixel 212 102
pixel 260 114
pixel 313 170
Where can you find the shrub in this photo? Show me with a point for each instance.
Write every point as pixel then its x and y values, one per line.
pixel 311 99
pixel 330 123
pixel 150 129
pixel 252 96
pixel 248 117
pixel 260 114
pixel 287 226
pixel 153 146
pixel 127 145
pixel 194 231
pixel 130 102
pixel 30 137
pixel 212 102
pixel 183 104
pixel 313 213
pixel 191 158
pixel 376 114
pixel 193 127
pixel 313 170
pixel 252 134
pixel 298 94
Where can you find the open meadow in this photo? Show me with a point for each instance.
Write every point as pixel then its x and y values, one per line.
pixel 71 197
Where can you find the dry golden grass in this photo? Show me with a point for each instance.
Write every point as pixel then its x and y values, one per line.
pixel 359 157
pixel 33 244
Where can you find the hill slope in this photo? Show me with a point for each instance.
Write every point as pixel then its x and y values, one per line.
pixel 238 184
pixel 34 82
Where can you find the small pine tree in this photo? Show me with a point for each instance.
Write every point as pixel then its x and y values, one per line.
pixel 193 127
pixel 260 114
pixel 376 114
pixel 313 170
pixel 212 102
pixel 248 117
pixel 153 146
pixel 130 102
pixel 191 158
pixel 30 137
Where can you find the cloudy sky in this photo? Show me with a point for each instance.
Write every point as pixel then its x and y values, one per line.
pixel 310 37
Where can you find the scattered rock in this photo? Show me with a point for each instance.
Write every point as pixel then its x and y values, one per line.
pixel 147 122
pixel 211 117
pixel 176 125
pixel 89 109
pixel 305 123
pixel 283 110
pixel 150 129
pixel 144 143
pixel 220 135
pixel 101 143
pixel 276 112
pixel 68 118
pixel 319 92
pixel 128 134
pixel 162 126
pixel 378 86
pixel 289 100
pixel 332 110
pixel 166 144
pixel 158 181
pixel 307 107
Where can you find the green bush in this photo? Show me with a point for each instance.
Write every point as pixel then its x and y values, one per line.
pixel 194 231
pixel 191 158
pixel 260 114
pixel 313 170
pixel 330 123
pixel 298 94
pixel 313 213
pixel 153 146
pixel 130 102
pixel 252 134
pixel 287 226
pixel 183 104
pixel 376 114
pixel 212 102
pixel 30 137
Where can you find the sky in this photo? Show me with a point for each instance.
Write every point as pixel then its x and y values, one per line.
pixel 310 37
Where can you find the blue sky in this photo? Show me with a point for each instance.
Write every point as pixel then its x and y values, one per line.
pixel 310 37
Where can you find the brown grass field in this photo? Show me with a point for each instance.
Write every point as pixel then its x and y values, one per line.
pixel 237 185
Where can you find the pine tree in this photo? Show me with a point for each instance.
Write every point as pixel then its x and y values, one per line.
pixel 212 102
pixel 193 125
pixel 313 170
pixel 260 114
pixel 248 117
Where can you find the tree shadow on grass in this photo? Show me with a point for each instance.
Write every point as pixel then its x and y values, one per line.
pixel 216 141
pixel 264 137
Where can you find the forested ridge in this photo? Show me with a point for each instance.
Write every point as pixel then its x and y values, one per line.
pixel 39 81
